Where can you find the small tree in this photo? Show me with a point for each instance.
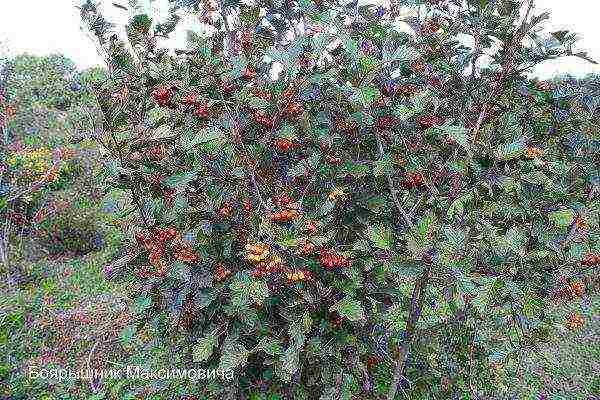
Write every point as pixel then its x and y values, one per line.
pixel 387 190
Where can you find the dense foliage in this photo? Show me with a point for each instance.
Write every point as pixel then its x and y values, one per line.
pixel 383 207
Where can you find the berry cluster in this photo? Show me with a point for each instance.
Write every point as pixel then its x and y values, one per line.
pixel 576 289
pixel 282 200
pixel 575 321
pixel 246 41
pixel 413 180
pixel 407 90
pixel 247 206
pixel 190 100
pixel 580 223
pixel 263 119
pixel 185 253
pixel 155 245
pixel 226 210
pixel 284 144
pixel 435 82
pixel 431 26
pixel 333 160
pixel 533 152
pixel 386 123
pixel 257 253
pixel 162 96
pixel 156 153
pixel 201 111
pixel 429 121
pixel 228 87
pixel 299 276
pixel 335 319
pixel 263 94
pixel 265 268
pixel 306 249
pixel 221 273
pixel 591 260
pixel 284 215
pixel 294 110
pixel 331 260
pixel 419 66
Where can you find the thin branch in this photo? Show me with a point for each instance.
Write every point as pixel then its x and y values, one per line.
pixel 390 182
pixel 416 306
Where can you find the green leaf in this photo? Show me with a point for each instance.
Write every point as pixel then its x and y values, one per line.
pixel 270 345
pixel 127 334
pixel 366 95
pixel 511 150
pixel 381 236
pixel 402 53
pixel 383 166
pixel 203 349
pixel 246 290
pixel 562 218
pixel 141 304
pixel 180 180
pixel 192 138
pixel 162 132
pixel 233 355
pixel 395 318
pixel 349 308
pixel 257 102
pixel 457 133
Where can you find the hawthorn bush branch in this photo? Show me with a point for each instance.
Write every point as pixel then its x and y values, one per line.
pixel 414 314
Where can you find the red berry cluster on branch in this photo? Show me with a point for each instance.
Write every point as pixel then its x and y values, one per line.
pixel 264 268
pixel 284 216
pixel 228 87
pixel 190 100
pixel 294 110
pixel 201 111
pixel 221 273
pixel 249 73
pixel 431 26
pixel 284 144
pixel 429 121
pixel 406 90
pixel 157 153
pixel 386 122
pixel 413 180
pixel 226 210
pixel 591 260
pixel 184 253
pixel 162 95
pixel 263 119
pixel 329 259
pixel 300 275
pixel 282 200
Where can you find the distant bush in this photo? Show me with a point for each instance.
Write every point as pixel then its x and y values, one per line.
pixel 71 228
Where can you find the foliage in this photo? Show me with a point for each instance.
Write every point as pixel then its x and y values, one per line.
pixel 384 200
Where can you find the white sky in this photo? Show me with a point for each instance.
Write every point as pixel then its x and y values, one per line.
pixel 53 26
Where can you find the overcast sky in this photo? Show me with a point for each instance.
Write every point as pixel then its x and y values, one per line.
pixel 53 26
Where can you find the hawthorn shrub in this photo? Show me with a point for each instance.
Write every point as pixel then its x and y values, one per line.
pixel 381 215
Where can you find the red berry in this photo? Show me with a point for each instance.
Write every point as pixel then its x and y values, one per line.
pixel 284 145
pixel 249 73
pixel 162 95
pixel 201 111
pixel 386 123
pixel 190 100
